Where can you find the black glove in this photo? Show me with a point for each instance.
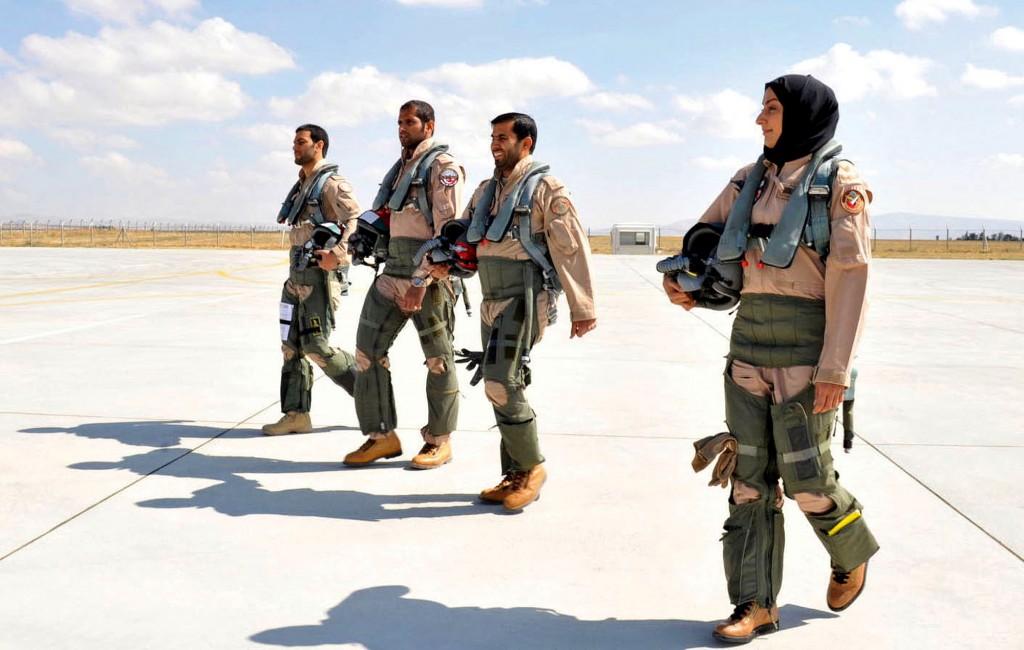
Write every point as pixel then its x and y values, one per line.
pixel 473 360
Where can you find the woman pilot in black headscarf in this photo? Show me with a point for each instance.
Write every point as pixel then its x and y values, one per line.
pixel 797 221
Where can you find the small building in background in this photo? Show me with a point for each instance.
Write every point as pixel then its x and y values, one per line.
pixel 635 239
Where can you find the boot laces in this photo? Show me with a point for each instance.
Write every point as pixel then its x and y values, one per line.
pixel 741 610
pixel 516 479
pixel 366 445
pixel 429 449
pixel 840 577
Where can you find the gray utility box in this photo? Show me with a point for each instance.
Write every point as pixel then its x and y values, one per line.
pixel 635 239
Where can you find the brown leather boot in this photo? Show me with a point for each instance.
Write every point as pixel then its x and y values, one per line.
pixel 290 422
pixel 498 493
pixel 375 449
pixel 748 621
pixel 432 456
pixel 525 488
pixel 845 586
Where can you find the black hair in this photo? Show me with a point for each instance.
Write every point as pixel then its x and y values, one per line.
pixel 317 134
pixel 424 111
pixel 522 125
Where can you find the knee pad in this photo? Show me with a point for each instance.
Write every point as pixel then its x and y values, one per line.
pixel 814 503
pixel 744 493
pixel 496 393
pixel 436 365
pixel 363 362
pixel 289 353
pixel 317 359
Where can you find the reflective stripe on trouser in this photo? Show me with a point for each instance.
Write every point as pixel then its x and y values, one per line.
pixel 803 443
pixel 379 324
pixel 307 318
pixel 507 343
pixel 788 441
pixel 754 539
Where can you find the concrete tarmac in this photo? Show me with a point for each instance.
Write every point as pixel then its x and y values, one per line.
pixel 141 508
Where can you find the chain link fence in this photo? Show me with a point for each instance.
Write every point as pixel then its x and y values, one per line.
pixel 1007 243
pixel 141 234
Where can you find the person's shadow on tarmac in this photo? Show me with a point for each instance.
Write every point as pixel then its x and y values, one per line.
pixel 382 618
pixel 236 495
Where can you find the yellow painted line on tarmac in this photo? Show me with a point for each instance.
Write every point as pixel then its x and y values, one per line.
pixel 225 274
pixel 100 285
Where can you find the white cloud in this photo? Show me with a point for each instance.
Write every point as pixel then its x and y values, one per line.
pixel 988 78
pixel 1017 100
pixel 518 80
pixel 143 76
pixel 272 135
pixel 6 60
pixel 618 102
pixel 214 45
pixel 127 11
pixel 465 97
pixel 642 134
pixel 362 95
pixel 1008 160
pixel 884 73
pixel 116 168
pixel 731 163
pixel 442 3
pixel 15 150
pixel 915 14
pixel 1008 38
pixel 727 114
pixel 84 139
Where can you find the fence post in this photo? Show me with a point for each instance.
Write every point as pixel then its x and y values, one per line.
pixel 31 232
pixel 984 241
pixel 947 238
pixel 252 236
pixel 217 237
pixel 910 237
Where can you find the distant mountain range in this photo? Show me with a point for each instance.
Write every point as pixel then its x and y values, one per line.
pixel 891 223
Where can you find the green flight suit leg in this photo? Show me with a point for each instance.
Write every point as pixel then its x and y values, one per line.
pixel 753 543
pixel 803 441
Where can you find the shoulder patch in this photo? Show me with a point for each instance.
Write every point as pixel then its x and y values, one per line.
pixel 449 177
pixel 561 206
pixel 853 201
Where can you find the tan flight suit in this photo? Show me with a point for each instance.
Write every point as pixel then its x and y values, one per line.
pixel 515 307
pixel 763 402
pixel 382 319
pixel 310 298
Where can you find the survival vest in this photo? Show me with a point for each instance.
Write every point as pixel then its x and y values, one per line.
pixel 418 175
pixel 298 198
pixel 514 214
pixel 804 220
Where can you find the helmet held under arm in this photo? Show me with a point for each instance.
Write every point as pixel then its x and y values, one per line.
pixel 714 284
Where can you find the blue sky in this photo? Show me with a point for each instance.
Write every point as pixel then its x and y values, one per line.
pixel 185 109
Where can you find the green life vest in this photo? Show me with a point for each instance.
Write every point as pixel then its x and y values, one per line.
pixel 518 204
pixel 418 175
pixel 804 220
pixel 298 198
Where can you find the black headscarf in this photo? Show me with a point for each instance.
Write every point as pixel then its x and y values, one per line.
pixel 810 114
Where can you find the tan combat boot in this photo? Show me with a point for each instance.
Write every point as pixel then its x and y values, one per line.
pixel 374 449
pixel 525 488
pixel 748 621
pixel 845 586
pixel 290 422
pixel 433 456
pixel 498 493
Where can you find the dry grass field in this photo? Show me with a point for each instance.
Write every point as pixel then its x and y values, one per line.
pixel 275 240
pixel 889 248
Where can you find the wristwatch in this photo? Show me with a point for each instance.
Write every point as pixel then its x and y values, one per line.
pixel 419 282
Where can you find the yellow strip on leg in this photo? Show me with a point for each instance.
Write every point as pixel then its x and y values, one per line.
pixel 846 521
